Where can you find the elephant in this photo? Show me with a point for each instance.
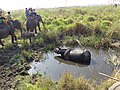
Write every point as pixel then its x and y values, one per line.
pixel 77 56
pixel 25 35
pixel 28 35
pixel 8 28
pixel 32 22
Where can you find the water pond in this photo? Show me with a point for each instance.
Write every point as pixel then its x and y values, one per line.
pixel 54 67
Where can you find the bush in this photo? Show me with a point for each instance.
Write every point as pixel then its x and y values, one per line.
pixel 114 31
pixel 68 82
pixel 17 59
pixel 106 23
pixel 90 18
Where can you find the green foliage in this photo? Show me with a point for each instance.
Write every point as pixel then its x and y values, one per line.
pixel 106 23
pixel 17 59
pixel 27 54
pixel 89 25
pixel 68 21
pixel 69 40
pixel 90 18
pixel 67 82
pixel 57 22
pixel 114 31
pixel 90 40
pixel 98 20
pixel 80 11
pixel 29 83
pixel 105 85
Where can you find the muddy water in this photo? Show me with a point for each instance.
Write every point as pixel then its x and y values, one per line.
pixel 53 67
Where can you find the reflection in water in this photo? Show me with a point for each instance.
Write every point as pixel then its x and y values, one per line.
pixel 53 66
pixel 68 62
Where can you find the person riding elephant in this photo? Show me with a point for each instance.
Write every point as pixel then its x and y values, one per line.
pixel 1 12
pixel 26 12
pixel 8 16
pixel 75 55
pixel 2 18
pixel 33 21
pixel 8 28
pixel 33 12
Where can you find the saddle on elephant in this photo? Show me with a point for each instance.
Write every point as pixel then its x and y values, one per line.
pixel 2 23
pixel 3 28
pixel 32 17
pixel 35 18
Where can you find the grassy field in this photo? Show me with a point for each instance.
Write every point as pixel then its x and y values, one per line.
pixel 95 26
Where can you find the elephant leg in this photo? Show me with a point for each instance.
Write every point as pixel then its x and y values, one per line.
pixel 15 38
pixel 1 43
pixel 30 40
pixel 12 38
pixel 39 27
pixel 35 30
pixel 12 33
pixel 28 29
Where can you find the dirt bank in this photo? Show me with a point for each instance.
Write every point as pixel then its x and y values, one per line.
pixel 9 71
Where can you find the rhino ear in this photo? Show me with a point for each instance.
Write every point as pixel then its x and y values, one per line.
pixel 59 48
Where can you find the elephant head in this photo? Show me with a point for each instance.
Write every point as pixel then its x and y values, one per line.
pixel 17 25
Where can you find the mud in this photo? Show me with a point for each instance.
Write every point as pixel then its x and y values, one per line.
pixel 8 72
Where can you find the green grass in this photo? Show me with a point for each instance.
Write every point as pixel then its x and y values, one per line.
pixel 103 21
pixel 66 82
pixel 36 82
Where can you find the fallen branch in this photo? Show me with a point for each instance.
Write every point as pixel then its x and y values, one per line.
pixel 78 42
pixel 109 76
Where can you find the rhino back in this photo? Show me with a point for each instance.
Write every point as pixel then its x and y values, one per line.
pixel 76 55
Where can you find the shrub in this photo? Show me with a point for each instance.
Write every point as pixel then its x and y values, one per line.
pixel 16 59
pixel 106 23
pixel 68 82
pixel 114 31
pixel 90 18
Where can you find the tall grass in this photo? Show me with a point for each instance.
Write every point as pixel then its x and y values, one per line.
pixel 102 21
pixel 67 82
